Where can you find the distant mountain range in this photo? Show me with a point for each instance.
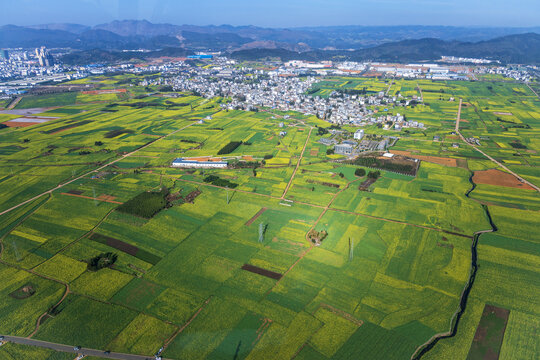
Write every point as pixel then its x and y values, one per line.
pixel 383 43
pixel 517 49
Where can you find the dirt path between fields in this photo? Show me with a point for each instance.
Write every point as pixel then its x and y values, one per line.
pixel 486 155
pixel 14 103
pixel 46 313
pixel 170 340
pixel 420 91
pixel 297 165
pixel 535 93
pixel 250 221
pixel 92 198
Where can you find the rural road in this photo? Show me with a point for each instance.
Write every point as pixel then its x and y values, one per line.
pixel 297 165
pixel 538 96
pixel 389 87
pixel 486 155
pixel 95 170
pixel 69 349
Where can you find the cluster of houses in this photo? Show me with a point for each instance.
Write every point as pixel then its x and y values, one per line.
pixel 343 145
pixel 249 89
pixel 516 73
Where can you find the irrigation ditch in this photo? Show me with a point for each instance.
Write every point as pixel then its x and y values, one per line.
pixel 454 322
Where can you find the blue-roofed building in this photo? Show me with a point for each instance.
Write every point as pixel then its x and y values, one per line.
pixel 181 162
pixel 200 56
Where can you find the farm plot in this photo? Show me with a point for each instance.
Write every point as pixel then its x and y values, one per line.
pixel 102 322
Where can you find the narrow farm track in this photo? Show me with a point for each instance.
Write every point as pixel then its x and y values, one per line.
pixel 535 93
pixel 14 103
pixel 170 340
pixel 44 277
pixel 389 87
pixel 81 237
pixel 95 170
pixel 420 91
pixel 93 198
pixel 297 165
pixel 458 118
pixel 46 313
pixel 488 156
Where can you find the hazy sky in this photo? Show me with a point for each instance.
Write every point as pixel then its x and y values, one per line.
pixel 276 13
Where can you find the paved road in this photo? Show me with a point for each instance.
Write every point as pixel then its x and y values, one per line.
pixel 458 118
pixel 69 349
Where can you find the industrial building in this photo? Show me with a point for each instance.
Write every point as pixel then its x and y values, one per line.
pixel 343 149
pixel 186 163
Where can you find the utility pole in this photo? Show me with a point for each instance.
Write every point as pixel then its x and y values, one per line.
pixel 261 233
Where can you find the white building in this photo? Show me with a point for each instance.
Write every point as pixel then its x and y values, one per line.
pixel 181 162
pixel 359 134
pixel 343 149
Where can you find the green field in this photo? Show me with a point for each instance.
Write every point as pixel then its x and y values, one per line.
pixel 387 277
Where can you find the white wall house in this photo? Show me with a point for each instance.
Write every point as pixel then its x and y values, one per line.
pixel 359 134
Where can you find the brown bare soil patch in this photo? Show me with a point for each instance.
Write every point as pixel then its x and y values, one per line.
pixel 64 129
pixel 122 246
pixel 314 152
pixel 366 184
pixel 332 185
pixel 20 124
pixel 259 213
pixel 257 270
pixel 342 313
pixel 499 178
pixel 105 197
pixel 489 333
pixel 434 159
pixel 23 292
pixel 248 158
pixel 192 196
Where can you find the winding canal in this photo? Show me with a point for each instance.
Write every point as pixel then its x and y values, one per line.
pixel 424 348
